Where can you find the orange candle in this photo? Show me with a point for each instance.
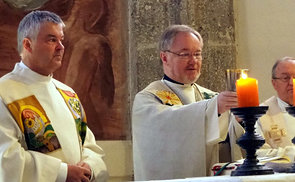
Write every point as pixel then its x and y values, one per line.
pixel 247 91
pixel 293 92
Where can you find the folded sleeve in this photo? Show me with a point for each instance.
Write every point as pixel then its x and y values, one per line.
pixel 93 156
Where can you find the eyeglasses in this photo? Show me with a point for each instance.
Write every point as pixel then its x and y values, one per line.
pixel 284 78
pixel 187 55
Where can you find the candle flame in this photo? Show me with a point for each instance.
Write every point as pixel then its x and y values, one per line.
pixel 244 75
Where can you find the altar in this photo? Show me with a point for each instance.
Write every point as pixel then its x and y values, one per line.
pixel 277 177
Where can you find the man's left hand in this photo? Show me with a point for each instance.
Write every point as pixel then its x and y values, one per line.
pixel 226 100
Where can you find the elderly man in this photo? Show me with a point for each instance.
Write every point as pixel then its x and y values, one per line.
pixel 43 129
pixel 176 123
pixel 276 126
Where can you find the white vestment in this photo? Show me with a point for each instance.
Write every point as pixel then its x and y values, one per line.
pixel 179 139
pixel 276 127
pixel 18 163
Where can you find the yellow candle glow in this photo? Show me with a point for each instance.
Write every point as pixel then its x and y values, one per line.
pixel 247 91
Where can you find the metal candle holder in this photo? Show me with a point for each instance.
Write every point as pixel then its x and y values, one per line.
pixel 291 111
pixel 250 141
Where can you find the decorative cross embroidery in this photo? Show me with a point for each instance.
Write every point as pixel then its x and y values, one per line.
pixel 275 134
pixel 167 97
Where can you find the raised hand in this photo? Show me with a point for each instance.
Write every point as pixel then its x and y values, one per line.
pixel 226 100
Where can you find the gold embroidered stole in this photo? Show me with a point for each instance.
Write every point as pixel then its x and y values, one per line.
pixel 168 97
pixel 34 123
pixel 77 111
pixel 273 125
pixel 274 130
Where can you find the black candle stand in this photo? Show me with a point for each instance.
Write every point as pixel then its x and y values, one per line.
pixel 291 111
pixel 250 141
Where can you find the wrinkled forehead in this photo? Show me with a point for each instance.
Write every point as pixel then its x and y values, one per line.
pixel 185 39
pixel 50 28
pixel 286 67
pixel 190 34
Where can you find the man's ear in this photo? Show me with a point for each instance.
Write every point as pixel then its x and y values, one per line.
pixel 27 44
pixel 163 57
pixel 274 83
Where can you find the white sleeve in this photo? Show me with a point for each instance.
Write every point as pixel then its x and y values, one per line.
pixel 161 131
pixel 62 173
pixel 217 127
pixel 93 156
pixel 22 164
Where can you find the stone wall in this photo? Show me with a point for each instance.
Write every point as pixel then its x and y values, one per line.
pixel 94 27
pixel 214 19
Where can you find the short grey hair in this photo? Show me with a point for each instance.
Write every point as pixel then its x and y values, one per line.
pixel 273 71
pixel 169 34
pixel 30 25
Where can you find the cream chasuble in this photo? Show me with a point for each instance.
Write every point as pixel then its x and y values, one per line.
pixel 277 127
pixel 173 135
pixel 37 95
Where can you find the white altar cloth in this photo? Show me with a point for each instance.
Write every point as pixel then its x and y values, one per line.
pixel 277 177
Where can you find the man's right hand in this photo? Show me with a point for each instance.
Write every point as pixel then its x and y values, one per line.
pixel 78 173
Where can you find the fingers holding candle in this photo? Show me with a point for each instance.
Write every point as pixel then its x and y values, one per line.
pixel 226 100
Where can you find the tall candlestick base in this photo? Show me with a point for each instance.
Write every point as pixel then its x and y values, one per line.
pixel 250 141
pixel 291 111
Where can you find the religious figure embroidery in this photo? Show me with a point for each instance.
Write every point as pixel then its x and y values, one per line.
pixel 275 134
pixel 77 111
pixel 33 122
pixel 167 97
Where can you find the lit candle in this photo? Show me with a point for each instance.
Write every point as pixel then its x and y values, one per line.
pixel 247 91
pixel 293 92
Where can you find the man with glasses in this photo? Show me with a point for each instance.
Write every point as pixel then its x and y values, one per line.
pixel 277 126
pixel 176 123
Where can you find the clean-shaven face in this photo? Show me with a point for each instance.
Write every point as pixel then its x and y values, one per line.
pixel 284 86
pixel 47 49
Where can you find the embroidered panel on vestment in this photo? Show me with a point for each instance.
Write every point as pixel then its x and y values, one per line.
pixel 34 123
pixel 77 111
pixel 167 97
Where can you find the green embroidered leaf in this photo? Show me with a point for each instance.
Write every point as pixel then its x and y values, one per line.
pixel 208 95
